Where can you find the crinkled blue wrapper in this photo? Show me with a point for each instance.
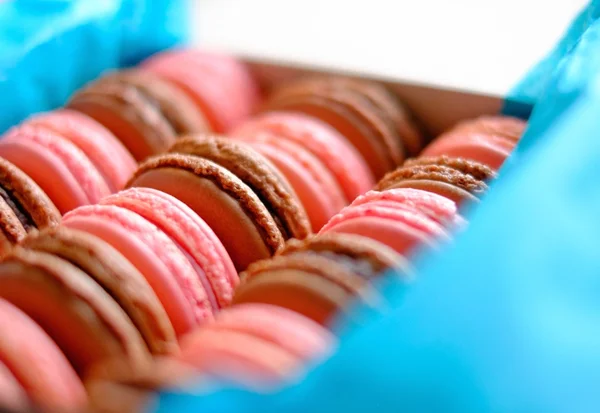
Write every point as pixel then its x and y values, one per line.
pixel 49 48
pixel 506 319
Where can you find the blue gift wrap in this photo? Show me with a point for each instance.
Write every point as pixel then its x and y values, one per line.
pixel 505 319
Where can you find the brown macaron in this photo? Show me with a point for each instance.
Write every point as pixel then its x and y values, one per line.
pixel 117 276
pixel 441 179
pixel 124 109
pixel 179 110
pixel 316 286
pixel 354 117
pixel 24 206
pixel 84 321
pixel 258 173
pixel 231 208
pixel 477 170
pixel 364 256
pixel 387 107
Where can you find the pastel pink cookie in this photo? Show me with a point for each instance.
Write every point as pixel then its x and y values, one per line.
pixel 155 255
pixel 487 149
pixel 333 150
pixel 101 147
pixel 59 167
pixel 289 330
pixel 12 395
pixel 400 227
pixel 315 186
pixel 221 87
pixel 37 363
pixel 237 357
pixel 506 126
pixel 192 235
pixel 436 207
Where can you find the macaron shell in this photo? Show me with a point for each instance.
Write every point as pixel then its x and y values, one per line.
pixel 436 207
pixel 117 276
pixel 506 126
pixel 303 292
pixel 101 147
pixel 296 334
pixel 475 169
pixel 453 193
pixel 27 194
pixel 11 229
pixel 342 159
pixel 485 151
pixel 12 394
pixel 37 366
pixel 258 173
pixel 190 232
pixel 85 322
pixel 132 118
pixel 316 187
pixel 227 205
pixel 179 110
pixel 373 151
pixel 60 168
pixel 238 357
pixel 160 261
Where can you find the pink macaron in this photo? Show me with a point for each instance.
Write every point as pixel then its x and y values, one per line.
pixel 36 362
pixel 190 233
pixel 402 227
pixel 315 185
pixel 341 158
pixel 12 394
pixel 156 256
pixel 221 86
pixel 57 165
pixel 102 148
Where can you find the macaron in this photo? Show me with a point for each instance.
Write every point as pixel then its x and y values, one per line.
pixel 155 255
pixel 400 226
pixel 56 164
pixel 24 206
pixel 294 333
pixel 353 116
pixel 505 126
pixel 102 148
pixel 176 107
pixel 455 183
pixel 437 207
pixel 221 86
pixel 341 158
pixel 33 370
pixel 320 193
pixel 267 182
pixel 12 394
pixel 315 286
pixel 473 144
pixel 365 256
pixel 205 252
pixel 231 208
pixel 131 115
pixel 475 169
pixel 117 276
pixel 81 318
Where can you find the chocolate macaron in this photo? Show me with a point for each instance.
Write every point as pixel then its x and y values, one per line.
pixel 318 278
pixel 271 187
pixel 457 179
pixel 24 206
pixel 117 276
pixel 350 113
pixel 84 321
pixel 238 217
pixel 129 113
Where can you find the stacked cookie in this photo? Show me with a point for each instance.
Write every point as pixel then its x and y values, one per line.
pixel 223 256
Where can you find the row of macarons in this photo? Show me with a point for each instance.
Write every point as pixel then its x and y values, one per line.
pixel 131 244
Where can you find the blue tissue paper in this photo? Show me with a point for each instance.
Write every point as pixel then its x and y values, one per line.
pixel 49 48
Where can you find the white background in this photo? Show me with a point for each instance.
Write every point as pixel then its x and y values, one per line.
pixel 479 45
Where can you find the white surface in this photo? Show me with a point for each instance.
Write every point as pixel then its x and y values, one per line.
pixel 479 45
